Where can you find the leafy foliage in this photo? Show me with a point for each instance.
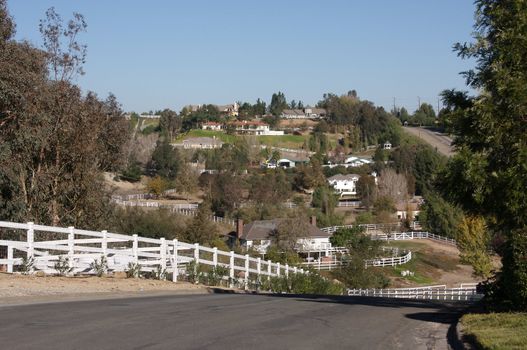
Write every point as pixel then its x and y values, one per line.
pixel 488 174
pixel 473 241
pixel 100 266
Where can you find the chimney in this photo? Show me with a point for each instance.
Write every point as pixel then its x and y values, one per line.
pixel 239 228
pixel 313 220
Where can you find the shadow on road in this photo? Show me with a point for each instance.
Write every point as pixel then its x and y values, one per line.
pixel 438 311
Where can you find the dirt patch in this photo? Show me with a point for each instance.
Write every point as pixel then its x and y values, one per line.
pixel 432 263
pixel 23 286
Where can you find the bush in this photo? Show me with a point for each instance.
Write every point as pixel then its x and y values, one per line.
pixel 62 266
pixel 133 271
pixel 159 273
pixel 193 272
pixel 27 265
pixel 100 267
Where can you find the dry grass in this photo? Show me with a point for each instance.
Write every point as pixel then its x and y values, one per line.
pixel 496 330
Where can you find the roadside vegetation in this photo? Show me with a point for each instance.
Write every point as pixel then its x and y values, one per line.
pixel 495 330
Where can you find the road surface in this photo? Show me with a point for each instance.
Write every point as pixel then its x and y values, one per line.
pixel 229 321
pixel 442 143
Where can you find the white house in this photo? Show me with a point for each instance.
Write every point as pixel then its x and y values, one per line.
pixel 354 161
pixel 344 184
pixel 387 145
pixel 212 126
pixel 305 113
pixel 260 234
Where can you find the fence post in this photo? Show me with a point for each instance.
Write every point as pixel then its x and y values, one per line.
pixel 163 253
pixel 10 257
pixel 231 268
pixel 174 259
pixel 215 257
pixel 278 269
pixel 71 242
pixel 104 243
pixel 259 267
pixel 196 252
pixel 135 247
pixel 269 268
pixel 246 270
pixel 30 240
pixel 295 270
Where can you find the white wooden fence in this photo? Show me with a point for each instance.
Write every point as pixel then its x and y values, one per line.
pixel 335 262
pixel 368 228
pixel 45 244
pixel 401 236
pixel 465 292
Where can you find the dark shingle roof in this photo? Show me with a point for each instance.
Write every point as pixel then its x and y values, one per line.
pixel 263 230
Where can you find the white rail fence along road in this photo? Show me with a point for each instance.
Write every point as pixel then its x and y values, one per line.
pixel 336 261
pixel 45 244
pixel 465 292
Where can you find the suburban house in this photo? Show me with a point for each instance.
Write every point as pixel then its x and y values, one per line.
pixel 260 234
pixel 354 161
pixel 409 209
pixel 288 160
pixel 387 145
pixel 344 184
pixel 231 110
pixel 201 143
pixel 253 127
pixel 305 113
pixel 212 126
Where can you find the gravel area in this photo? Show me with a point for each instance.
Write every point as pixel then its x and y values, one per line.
pixel 12 286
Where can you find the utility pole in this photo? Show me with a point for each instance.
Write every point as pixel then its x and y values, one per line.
pixel 394 109
pixel 438 100
pixel 418 102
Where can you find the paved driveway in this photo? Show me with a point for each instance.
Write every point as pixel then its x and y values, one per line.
pixel 228 321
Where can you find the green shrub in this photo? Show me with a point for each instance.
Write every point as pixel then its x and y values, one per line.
pixel 27 265
pixel 62 266
pixel 99 266
pixel 133 271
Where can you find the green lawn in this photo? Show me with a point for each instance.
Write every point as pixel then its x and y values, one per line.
pixel 426 263
pixel 496 330
pixel 207 133
pixel 284 141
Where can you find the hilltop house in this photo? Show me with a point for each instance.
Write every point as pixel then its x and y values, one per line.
pixel 230 110
pixel 305 113
pixel 260 234
pixel 387 145
pixel 211 126
pixel 344 184
pixel 354 161
pixel 253 127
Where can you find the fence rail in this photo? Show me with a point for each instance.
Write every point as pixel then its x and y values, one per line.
pixel 465 292
pixel 335 262
pixel 44 245
pixel 401 236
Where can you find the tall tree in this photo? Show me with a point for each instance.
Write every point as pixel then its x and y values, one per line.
pixel 278 104
pixel 55 143
pixel 488 175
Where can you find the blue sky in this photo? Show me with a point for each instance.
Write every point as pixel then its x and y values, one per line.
pixel 156 54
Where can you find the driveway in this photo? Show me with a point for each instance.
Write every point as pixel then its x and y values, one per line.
pixel 442 143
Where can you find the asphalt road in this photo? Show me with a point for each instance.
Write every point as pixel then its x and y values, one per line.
pixel 442 143
pixel 228 321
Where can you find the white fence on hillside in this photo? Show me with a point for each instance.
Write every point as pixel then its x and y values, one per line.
pixel 334 263
pixel 401 236
pixel 465 292
pixel 368 228
pixel 45 244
